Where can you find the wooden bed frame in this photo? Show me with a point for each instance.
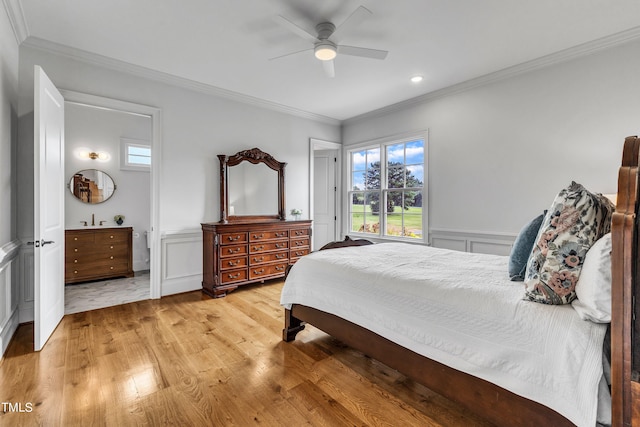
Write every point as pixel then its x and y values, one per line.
pixel 495 403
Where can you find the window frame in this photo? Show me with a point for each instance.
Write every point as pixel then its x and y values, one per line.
pixel 125 145
pixel 381 144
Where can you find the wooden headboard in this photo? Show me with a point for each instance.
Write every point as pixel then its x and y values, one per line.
pixel 625 333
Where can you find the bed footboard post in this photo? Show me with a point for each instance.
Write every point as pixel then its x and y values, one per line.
pixel 292 326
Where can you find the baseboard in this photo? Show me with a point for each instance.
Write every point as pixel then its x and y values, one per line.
pixel 7 331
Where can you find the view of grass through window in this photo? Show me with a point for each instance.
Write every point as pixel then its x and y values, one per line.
pixel 395 182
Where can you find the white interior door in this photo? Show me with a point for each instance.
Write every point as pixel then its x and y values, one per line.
pixel 324 197
pixel 48 208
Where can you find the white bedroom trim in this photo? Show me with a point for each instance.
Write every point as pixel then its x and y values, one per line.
pixel 496 243
pixel 181 261
pixel 16 18
pixel 8 293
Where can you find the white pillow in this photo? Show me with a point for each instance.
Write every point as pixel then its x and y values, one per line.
pixel 594 285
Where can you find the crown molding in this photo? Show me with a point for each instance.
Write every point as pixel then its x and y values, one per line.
pixel 170 79
pixel 506 73
pixel 16 18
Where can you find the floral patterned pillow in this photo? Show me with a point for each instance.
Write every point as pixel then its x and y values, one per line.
pixel 575 221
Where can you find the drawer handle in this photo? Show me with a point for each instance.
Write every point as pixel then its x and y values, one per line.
pixel 280 256
pixel 256 259
pixel 299 233
pixel 279 267
pixel 110 247
pixel 111 268
pixel 299 253
pixel 255 236
pixel 299 243
pixel 233 251
pixel 75 250
pixel 281 245
pixel 233 239
pixel 258 248
pixel 234 276
pixel 75 261
pixel 281 234
pixel 75 238
pixel 231 263
pixel 261 271
pixel 75 271
pixel 111 237
pixel 111 257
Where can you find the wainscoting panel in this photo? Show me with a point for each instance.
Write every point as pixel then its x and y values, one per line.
pixel 181 261
pixel 473 241
pixel 25 279
pixel 9 316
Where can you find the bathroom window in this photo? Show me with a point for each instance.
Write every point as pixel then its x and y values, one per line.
pixel 135 155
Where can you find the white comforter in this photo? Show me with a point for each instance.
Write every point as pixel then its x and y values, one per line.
pixel 459 309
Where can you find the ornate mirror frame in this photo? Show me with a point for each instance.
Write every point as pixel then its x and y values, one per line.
pixel 255 156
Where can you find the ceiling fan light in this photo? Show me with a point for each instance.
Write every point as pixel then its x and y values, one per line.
pixel 325 51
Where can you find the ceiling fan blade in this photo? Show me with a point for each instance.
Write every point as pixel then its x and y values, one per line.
pixel 362 51
pixel 290 53
pixel 358 15
pixel 296 29
pixel 329 68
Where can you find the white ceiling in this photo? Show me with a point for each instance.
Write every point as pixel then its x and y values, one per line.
pixel 227 43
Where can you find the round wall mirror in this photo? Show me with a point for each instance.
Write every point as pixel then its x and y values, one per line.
pixel 92 186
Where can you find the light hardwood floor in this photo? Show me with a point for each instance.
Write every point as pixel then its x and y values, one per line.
pixel 190 360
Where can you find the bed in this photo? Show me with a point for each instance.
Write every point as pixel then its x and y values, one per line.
pixel 522 363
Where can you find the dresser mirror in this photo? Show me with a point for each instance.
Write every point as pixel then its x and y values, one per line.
pixel 92 186
pixel 251 186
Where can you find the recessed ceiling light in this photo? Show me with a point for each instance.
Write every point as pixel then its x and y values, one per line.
pixel 416 79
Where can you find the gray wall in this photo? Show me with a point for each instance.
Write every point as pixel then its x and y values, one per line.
pixel 499 153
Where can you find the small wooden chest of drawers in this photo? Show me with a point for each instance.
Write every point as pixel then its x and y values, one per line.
pixel 103 253
pixel 238 253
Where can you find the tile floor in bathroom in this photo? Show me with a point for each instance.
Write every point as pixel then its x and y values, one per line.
pixel 106 293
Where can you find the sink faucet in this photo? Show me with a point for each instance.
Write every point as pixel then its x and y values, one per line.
pixel 93 219
pixel 102 222
pixel 83 222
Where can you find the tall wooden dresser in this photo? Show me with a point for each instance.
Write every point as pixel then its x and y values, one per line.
pixel 98 253
pixel 238 253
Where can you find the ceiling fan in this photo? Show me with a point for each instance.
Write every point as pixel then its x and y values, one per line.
pixel 326 49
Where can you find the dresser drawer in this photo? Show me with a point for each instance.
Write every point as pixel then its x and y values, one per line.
pixel 268 246
pixel 106 237
pixel 92 250
pixel 299 243
pixel 233 276
pixel 233 251
pixel 297 253
pixel 268 235
pixel 261 258
pixel 299 232
pixel 233 238
pixel 231 263
pixel 267 270
pixel 98 269
pixel 79 239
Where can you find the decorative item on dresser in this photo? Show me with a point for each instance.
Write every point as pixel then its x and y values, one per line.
pixel 252 242
pixel 240 253
pixel 103 253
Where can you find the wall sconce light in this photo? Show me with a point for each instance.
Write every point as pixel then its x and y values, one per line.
pixel 86 153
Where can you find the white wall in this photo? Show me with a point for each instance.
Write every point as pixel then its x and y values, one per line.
pixel 101 130
pixel 9 291
pixel 499 153
pixel 195 128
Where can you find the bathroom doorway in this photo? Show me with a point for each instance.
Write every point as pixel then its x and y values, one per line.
pixel 112 129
